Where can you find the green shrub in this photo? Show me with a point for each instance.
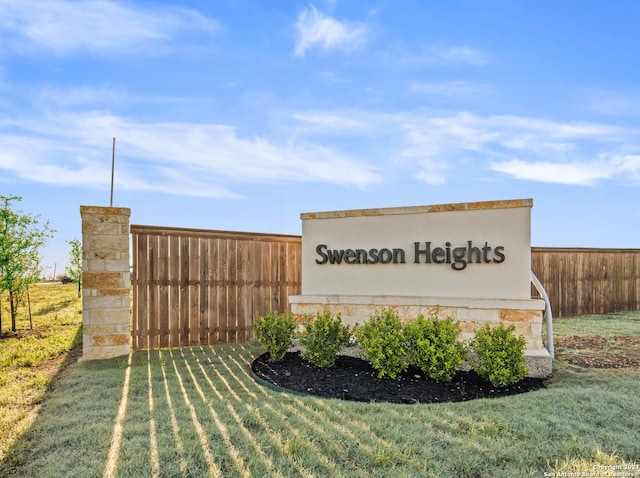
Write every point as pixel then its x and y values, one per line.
pixel 433 346
pixel 500 355
pixel 382 340
pixel 275 333
pixel 323 338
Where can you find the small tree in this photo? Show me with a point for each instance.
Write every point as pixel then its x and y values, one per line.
pixel 74 269
pixel 21 237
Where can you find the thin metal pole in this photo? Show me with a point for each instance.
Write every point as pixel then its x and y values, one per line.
pixel 113 167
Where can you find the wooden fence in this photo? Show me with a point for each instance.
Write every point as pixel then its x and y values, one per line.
pixel 195 287
pixel 588 281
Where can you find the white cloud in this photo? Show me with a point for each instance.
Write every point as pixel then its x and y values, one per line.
pixel 583 174
pixel 459 54
pixel 351 147
pixel 449 88
pixel 431 172
pixel 84 95
pixel 331 122
pixel 612 103
pixel 315 30
pixel 175 158
pixel 331 77
pixel 100 97
pixel 626 163
pixel 576 153
pixel 99 26
pixel 438 54
pixel 25 156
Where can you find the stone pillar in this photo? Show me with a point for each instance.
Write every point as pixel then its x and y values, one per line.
pixel 106 282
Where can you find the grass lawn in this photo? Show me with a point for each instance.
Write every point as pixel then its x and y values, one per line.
pixel 30 358
pixel 604 325
pixel 197 412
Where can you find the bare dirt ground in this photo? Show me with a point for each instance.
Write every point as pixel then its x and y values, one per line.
pixel 598 352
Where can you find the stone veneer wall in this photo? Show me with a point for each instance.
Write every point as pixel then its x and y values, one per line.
pixel 106 282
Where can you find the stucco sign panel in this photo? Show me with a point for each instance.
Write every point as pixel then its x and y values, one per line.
pixel 467 250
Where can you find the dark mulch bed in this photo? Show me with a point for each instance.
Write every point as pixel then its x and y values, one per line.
pixel 354 379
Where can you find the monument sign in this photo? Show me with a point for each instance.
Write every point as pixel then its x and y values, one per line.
pixel 470 261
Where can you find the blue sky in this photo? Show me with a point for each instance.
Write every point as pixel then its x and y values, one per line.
pixel 240 115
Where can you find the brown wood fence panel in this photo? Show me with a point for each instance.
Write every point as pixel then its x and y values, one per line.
pixel 588 281
pixel 198 287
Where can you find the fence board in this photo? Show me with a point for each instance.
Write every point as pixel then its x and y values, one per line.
pixel 232 292
pixel 153 325
pixel 223 271
pixel 173 284
pixel 142 316
pixel 183 277
pixel 194 296
pixel 204 291
pixel 163 286
pixel 136 316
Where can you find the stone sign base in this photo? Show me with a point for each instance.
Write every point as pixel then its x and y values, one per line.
pixel 470 314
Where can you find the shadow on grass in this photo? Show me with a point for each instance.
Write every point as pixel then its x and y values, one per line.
pixel 72 356
pixel 197 412
pixel 50 372
pixel 55 307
